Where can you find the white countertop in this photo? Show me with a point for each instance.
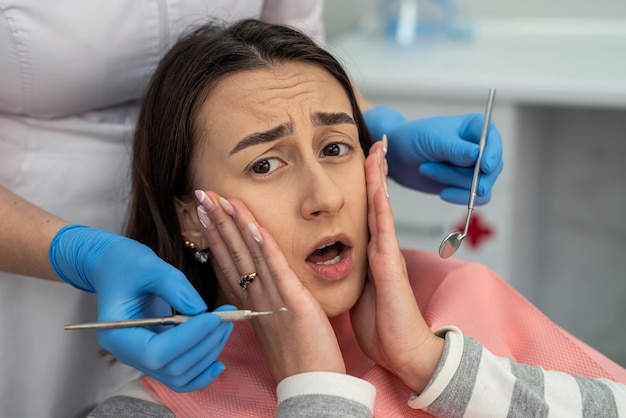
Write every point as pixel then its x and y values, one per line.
pixel 545 62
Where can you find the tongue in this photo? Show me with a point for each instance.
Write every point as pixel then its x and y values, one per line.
pixel 325 254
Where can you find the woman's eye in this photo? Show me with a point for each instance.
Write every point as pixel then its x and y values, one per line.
pixel 266 166
pixel 335 150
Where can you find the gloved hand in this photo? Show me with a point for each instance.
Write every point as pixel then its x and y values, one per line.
pixel 437 155
pixel 132 282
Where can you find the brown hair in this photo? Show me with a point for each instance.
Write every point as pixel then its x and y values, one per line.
pixel 166 133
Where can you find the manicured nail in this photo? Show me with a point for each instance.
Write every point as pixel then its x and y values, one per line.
pixel 255 232
pixel 200 195
pixel 204 199
pixel 203 217
pixel 225 204
pixel 385 143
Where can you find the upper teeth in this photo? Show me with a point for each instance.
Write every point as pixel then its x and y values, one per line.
pixel 321 247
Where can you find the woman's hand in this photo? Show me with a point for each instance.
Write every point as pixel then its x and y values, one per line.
pixel 386 319
pixel 297 341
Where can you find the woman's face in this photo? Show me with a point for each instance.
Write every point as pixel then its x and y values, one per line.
pixel 283 140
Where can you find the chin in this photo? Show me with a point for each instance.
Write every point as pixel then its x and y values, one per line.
pixel 341 305
pixel 336 298
pixel 333 312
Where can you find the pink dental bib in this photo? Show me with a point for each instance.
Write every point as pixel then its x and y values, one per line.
pixel 449 292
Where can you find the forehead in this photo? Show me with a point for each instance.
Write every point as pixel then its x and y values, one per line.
pixel 261 98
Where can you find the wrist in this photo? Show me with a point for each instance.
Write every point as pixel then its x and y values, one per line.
pixel 419 374
pixel 446 369
pixel 310 364
pixel 69 255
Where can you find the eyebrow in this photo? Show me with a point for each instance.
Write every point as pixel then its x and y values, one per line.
pixel 256 138
pixel 331 118
pixel 285 129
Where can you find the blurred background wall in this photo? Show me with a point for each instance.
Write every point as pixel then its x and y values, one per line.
pixel 342 15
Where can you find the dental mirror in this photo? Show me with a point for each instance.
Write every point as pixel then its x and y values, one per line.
pixel 452 242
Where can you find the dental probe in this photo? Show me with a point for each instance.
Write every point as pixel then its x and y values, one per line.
pixel 239 315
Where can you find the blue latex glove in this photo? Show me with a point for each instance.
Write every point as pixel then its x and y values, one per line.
pixel 437 155
pixel 132 282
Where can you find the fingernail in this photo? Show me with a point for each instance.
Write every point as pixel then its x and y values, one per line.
pixel 204 199
pixel 200 195
pixel 203 217
pixel 225 204
pixel 385 143
pixel 256 235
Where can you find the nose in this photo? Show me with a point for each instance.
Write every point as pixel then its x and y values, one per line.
pixel 321 192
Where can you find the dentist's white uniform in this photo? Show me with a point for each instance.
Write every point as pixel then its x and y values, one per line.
pixel 71 73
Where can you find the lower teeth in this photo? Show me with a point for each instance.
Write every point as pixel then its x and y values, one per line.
pixel 330 262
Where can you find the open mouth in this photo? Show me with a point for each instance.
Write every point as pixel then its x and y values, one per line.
pixel 331 258
pixel 327 254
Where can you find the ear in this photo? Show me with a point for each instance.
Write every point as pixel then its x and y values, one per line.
pixel 190 227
